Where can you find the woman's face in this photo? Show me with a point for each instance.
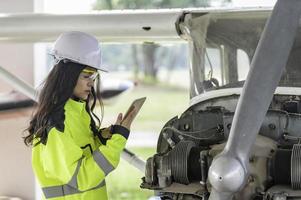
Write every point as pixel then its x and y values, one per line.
pixel 85 83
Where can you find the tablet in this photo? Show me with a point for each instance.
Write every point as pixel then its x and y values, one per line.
pixel 136 105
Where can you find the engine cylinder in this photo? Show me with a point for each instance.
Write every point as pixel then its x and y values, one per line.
pixel 280 168
pixel 295 167
pixel 184 160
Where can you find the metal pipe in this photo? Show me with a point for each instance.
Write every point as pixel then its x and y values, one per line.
pixel 132 159
pixel 18 84
pixel 29 91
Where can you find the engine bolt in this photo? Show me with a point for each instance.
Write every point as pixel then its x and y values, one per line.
pixel 186 127
pixel 272 126
pixel 229 126
pixel 251 179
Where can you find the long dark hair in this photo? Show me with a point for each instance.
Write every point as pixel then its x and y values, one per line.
pixel 56 90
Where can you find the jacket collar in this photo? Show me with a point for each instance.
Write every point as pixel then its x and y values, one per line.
pixel 75 106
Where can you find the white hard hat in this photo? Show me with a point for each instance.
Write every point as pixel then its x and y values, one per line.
pixel 78 47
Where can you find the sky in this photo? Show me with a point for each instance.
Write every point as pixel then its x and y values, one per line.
pixel 85 6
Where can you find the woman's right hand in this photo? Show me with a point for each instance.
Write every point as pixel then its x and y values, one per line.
pixel 106 132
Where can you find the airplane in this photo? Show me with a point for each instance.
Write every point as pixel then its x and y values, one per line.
pixel 239 137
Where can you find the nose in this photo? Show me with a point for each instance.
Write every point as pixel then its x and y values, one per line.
pixel 90 82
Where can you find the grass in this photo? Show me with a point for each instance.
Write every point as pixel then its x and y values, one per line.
pixel 124 182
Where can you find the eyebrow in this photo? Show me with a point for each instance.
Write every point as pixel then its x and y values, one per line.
pixel 87 72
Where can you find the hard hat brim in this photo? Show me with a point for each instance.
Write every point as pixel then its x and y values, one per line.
pixel 100 68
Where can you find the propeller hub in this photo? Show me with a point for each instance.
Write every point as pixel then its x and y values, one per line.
pixel 227 174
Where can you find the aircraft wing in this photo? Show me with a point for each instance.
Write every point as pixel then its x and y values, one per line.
pixel 111 26
pixel 106 26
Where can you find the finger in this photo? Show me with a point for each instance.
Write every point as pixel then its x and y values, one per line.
pixel 119 119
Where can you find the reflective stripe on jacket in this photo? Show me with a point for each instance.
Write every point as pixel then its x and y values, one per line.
pixel 73 164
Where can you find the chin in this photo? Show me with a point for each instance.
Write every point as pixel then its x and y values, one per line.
pixel 83 98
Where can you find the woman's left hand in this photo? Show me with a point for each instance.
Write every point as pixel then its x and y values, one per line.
pixel 125 122
pixel 119 119
pixel 106 132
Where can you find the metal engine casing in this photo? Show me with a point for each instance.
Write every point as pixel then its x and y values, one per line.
pixel 187 146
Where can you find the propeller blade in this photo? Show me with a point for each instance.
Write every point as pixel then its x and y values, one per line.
pixel 229 170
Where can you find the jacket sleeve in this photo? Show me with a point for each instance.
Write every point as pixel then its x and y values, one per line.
pixel 65 161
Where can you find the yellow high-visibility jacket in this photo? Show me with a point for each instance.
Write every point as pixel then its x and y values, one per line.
pixel 73 163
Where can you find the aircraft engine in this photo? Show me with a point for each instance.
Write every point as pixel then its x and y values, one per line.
pixel 180 164
pixel 187 146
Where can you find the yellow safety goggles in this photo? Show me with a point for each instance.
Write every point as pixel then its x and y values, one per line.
pixel 90 74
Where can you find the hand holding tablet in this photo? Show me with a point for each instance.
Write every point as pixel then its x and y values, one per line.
pixel 132 112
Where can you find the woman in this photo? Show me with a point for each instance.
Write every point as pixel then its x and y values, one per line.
pixel 71 156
